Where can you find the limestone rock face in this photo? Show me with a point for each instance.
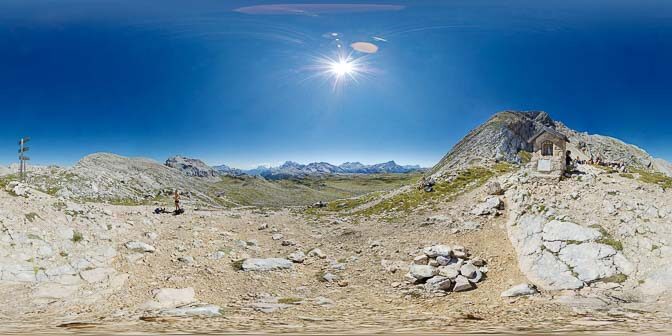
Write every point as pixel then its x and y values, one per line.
pixel 558 254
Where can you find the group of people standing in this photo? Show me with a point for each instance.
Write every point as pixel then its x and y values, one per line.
pixel 618 165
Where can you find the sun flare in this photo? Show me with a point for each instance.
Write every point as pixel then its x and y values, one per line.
pixel 341 69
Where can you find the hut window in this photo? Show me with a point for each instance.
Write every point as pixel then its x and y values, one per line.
pixel 547 148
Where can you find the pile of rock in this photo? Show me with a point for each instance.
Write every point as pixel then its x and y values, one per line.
pixel 442 268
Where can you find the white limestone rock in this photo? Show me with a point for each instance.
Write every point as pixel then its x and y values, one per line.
pixel 264 265
pixel 520 290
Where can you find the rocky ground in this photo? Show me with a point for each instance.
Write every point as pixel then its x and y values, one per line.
pixel 604 237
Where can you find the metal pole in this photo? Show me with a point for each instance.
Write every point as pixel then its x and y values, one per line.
pixel 21 159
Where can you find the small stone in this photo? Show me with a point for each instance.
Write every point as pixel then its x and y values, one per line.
pixel 520 290
pixel 207 310
pixel 448 272
pixel 460 252
pixel 264 265
pixel 171 297
pixel 297 257
pixel 137 246
pixel 433 263
pixel 438 283
pixel 288 243
pixel 189 260
pixel 478 262
pixel 263 226
pixel 316 253
pixel 217 255
pixel 442 261
pixel 151 235
pixel 437 250
pixel 329 277
pixel 477 278
pixel 469 270
pixel 323 301
pixel 494 188
pixel 277 236
pixel 421 260
pixel 422 271
pixel 462 284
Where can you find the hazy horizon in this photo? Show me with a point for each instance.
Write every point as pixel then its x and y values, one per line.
pixel 245 83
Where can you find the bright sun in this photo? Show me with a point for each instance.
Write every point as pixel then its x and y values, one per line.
pixel 341 68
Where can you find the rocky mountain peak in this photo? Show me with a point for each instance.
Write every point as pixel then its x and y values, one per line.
pixel 506 134
pixel 191 167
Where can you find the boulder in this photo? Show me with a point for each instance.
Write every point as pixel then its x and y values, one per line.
pixel 263 265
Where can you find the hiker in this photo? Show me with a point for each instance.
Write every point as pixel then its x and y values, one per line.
pixel 177 201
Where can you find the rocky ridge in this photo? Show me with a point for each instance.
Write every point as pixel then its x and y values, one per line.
pixel 505 135
pixel 192 167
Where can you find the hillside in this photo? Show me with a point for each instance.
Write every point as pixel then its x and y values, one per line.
pixel 505 135
pixel 110 178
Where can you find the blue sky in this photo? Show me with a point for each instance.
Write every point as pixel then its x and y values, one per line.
pixel 208 79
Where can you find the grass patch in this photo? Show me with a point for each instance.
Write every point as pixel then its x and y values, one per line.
pixel 465 180
pixel 256 191
pixel 616 278
pixel 290 300
pixel 31 217
pixel 627 175
pixel 607 169
pixel 77 237
pixel 607 239
pixel 33 236
pixel 654 178
pixel 238 264
pixel 524 156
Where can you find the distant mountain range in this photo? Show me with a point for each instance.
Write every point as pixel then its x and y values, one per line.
pixel 292 169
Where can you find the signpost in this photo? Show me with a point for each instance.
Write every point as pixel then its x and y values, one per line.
pixel 22 157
